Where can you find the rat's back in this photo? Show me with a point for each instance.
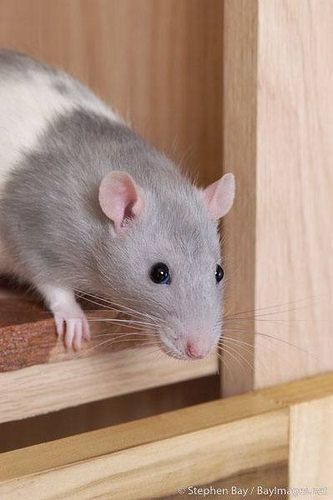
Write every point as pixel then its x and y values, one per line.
pixel 32 96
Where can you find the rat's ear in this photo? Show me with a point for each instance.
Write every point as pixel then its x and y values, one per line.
pixel 219 196
pixel 120 199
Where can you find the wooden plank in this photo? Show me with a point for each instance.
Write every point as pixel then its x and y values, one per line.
pixel 28 336
pixel 160 70
pixel 112 411
pixel 278 126
pixel 311 445
pixel 147 470
pixel 294 188
pixel 45 377
pixel 239 157
pixel 49 387
pixel 240 414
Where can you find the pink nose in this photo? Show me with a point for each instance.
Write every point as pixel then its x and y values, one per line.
pixel 193 352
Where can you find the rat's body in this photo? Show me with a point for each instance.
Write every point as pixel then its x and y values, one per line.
pixel 63 229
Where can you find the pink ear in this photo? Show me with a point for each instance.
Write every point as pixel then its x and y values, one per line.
pixel 120 199
pixel 219 196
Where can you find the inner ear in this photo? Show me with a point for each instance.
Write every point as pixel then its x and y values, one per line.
pixel 219 196
pixel 120 199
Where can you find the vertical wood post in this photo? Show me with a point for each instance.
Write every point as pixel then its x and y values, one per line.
pixel 310 448
pixel 278 139
pixel 239 156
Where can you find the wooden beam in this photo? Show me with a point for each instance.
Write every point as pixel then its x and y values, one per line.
pixel 39 375
pixel 294 230
pixel 311 448
pixel 239 157
pixel 277 138
pixel 155 456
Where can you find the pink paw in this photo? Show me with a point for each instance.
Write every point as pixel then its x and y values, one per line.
pixel 72 329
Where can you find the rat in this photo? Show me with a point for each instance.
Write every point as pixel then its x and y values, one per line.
pixel 87 204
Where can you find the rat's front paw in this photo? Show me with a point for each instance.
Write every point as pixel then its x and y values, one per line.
pixel 73 328
pixel 71 322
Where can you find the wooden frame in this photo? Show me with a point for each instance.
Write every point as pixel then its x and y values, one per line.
pixel 265 430
pixel 277 139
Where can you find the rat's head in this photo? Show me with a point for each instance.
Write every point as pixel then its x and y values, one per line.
pixel 160 255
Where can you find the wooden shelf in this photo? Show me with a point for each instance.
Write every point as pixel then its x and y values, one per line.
pixel 39 375
pixel 153 457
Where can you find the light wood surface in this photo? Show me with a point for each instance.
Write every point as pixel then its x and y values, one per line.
pixel 294 230
pixel 156 456
pixel 156 61
pixel 49 387
pixel 239 157
pixel 145 471
pixel 311 445
pixel 278 135
pixel 112 411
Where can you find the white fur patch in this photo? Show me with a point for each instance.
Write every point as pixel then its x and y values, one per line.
pixel 28 105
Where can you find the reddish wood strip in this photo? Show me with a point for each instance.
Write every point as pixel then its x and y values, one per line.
pixel 28 336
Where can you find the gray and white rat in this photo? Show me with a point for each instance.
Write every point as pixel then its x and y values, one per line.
pixel 86 204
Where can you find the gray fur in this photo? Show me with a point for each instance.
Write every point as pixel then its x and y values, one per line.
pixel 55 231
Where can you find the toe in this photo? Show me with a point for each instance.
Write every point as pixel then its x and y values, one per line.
pixel 59 321
pixel 85 329
pixel 70 331
pixel 77 335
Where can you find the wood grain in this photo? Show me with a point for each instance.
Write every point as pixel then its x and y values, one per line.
pixel 167 425
pixel 294 231
pixel 311 445
pixel 147 470
pixel 156 456
pixel 112 411
pixel 277 138
pixel 49 387
pixel 157 62
pixel 28 336
pixel 239 157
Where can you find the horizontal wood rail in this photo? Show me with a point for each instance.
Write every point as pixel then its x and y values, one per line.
pixel 38 375
pixel 198 445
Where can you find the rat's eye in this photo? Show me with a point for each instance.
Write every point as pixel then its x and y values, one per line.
pixel 219 273
pixel 159 274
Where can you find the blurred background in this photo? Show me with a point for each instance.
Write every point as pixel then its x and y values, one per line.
pixel 156 61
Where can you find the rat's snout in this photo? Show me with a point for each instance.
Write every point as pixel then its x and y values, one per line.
pixel 188 346
pixel 193 351
pixel 197 347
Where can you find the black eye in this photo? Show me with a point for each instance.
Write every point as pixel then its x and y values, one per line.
pixel 159 274
pixel 219 273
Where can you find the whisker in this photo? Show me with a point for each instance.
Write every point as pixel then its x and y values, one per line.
pixel 110 342
pixel 275 305
pixel 222 358
pixel 128 322
pixel 239 354
pixel 266 335
pixel 137 334
pixel 111 305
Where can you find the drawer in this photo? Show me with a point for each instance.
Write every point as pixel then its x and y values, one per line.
pixel 264 439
